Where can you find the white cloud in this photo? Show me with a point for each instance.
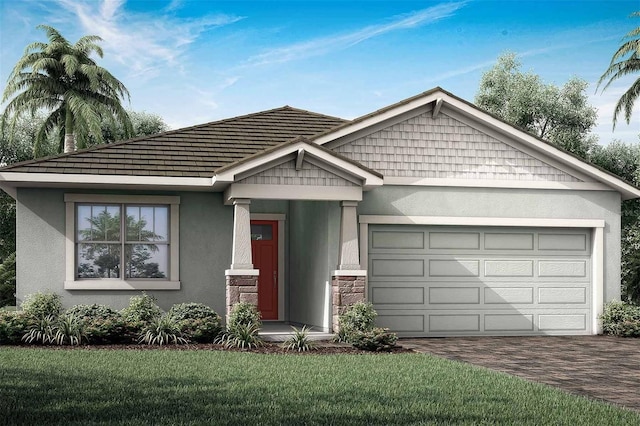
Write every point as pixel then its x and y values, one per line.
pixel 142 42
pixel 324 45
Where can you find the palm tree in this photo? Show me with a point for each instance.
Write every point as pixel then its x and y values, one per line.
pixel 62 79
pixel 625 61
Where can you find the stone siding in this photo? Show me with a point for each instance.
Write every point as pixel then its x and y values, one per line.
pixel 241 288
pixel 345 290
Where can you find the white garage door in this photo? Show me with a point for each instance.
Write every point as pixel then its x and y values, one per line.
pixel 446 281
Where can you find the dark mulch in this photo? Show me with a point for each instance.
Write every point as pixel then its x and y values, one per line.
pixel 320 348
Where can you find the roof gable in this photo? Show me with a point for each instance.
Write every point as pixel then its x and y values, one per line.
pixel 437 100
pixel 293 172
pixel 443 147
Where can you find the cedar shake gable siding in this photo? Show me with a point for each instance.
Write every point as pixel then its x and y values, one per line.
pixel 195 151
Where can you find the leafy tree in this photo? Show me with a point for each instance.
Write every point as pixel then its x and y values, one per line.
pixel 561 115
pixel 624 62
pixel 8 281
pixel 623 159
pixel 63 80
pixel 143 123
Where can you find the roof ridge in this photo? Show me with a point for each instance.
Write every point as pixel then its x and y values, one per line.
pixel 157 135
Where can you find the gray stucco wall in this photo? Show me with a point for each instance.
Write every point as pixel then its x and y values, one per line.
pixel 314 235
pixel 206 226
pixel 508 203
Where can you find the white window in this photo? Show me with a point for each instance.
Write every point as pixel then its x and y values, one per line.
pixel 122 242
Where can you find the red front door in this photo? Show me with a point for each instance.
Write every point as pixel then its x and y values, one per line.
pixel 264 252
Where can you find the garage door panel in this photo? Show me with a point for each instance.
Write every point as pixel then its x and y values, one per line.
pixel 508 268
pixel 562 268
pixel 561 242
pixel 509 322
pixel 562 322
pixel 454 268
pixel 402 322
pixel 454 240
pixel 508 241
pixel 454 295
pixel 394 295
pixel 474 281
pixel 454 322
pixel 397 267
pixel 508 295
pixel 559 295
pixel 396 240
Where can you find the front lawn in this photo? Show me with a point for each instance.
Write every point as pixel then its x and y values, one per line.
pixel 49 386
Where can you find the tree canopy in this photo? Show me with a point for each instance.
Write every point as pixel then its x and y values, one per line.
pixel 625 61
pixel 62 79
pixel 561 115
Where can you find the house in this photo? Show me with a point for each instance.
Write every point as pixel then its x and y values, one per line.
pixel 449 220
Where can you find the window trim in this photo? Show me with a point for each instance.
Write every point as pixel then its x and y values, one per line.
pixel 71 283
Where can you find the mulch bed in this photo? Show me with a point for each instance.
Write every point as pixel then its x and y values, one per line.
pixel 321 348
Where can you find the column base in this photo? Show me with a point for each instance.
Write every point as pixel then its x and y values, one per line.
pixel 345 291
pixel 241 288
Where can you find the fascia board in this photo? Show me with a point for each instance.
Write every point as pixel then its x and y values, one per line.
pixel 19 178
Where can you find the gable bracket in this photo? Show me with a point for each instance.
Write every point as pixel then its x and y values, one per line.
pixel 299 159
pixel 437 107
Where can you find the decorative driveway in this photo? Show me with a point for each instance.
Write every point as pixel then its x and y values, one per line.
pixel 600 367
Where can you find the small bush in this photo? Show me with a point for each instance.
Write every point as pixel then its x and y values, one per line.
pixel 244 314
pixel 42 331
pixel 41 305
pixel 621 319
pixel 242 336
pixel 69 330
pixel 14 325
pixel 142 309
pixel 103 325
pixel 357 318
pixel 162 331
pixel 377 339
pixel 299 341
pixel 197 321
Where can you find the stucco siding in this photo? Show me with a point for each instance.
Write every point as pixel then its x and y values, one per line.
pixel 314 238
pixel 205 239
pixel 508 203
pixel 286 174
pixel 444 147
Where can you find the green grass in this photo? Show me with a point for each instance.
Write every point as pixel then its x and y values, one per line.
pixel 46 386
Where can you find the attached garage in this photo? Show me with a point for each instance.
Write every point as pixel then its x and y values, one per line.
pixel 469 280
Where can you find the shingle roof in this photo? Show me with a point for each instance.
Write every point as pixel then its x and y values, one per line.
pixel 195 151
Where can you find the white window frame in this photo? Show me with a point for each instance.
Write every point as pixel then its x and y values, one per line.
pixel 172 283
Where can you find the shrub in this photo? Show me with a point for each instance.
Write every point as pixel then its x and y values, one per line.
pixel 377 339
pixel 69 330
pixel 142 309
pixel 621 319
pixel 299 341
pixel 243 336
pixel 357 318
pixel 162 331
pixel 197 321
pixel 41 305
pixel 8 281
pixel 102 324
pixel 244 314
pixel 42 331
pixel 14 325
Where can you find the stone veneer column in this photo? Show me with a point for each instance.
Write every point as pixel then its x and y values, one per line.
pixel 345 291
pixel 241 288
pixel 241 279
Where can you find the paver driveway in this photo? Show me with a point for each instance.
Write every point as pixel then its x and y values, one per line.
pixel 600 367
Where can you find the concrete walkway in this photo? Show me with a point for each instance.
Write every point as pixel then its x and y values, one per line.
pixel 600 367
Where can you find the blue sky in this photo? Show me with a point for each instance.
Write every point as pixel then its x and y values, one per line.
pixel 193 61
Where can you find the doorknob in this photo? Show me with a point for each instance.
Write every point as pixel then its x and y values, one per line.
pixel 275 280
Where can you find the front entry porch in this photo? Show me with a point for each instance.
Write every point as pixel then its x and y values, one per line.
pixel 280 331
